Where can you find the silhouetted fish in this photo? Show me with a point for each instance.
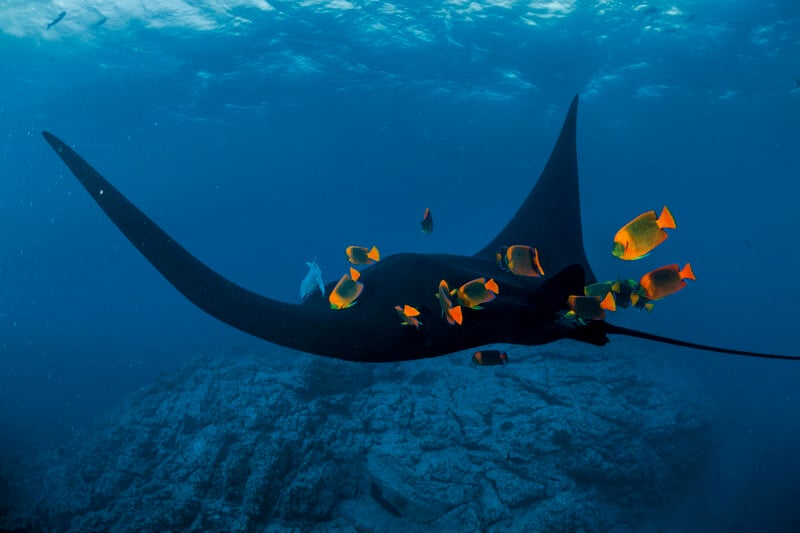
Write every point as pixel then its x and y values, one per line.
pixel 56 20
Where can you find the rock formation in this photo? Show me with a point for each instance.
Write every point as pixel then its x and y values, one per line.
pixel 562 438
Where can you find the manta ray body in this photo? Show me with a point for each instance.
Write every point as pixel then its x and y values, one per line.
pixel 528 311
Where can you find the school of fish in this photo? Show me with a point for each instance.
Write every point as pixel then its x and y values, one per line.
pixel 635 240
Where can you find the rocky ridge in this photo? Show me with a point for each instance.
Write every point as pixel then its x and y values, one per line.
pixel 563 438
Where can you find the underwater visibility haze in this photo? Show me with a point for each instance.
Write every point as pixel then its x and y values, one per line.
pixel 262 136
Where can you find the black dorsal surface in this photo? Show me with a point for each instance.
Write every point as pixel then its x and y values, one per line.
pixel 550 217
pixel 527 311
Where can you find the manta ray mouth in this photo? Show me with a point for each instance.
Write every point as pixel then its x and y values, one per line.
pixel 527 311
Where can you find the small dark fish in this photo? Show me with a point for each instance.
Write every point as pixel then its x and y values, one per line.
pixel 100 22
pixel 427 221
pixel 452 314
pixel 56 20
pixel 408 315
pixel 627 292
pixel 490 357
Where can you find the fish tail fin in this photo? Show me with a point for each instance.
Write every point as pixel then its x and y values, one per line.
pixel 456 314
pixel 666 220
pixel 374 254
pixel 354 274
pixel 536 261
pixel 492 286
pixel 608 302
pixel 687 273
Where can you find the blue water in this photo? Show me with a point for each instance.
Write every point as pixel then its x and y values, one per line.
pixel 262 135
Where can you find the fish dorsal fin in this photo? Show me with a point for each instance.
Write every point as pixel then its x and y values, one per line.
pixel 550 217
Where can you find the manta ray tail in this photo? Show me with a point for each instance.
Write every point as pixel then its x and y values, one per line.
pixel 619 330
pixel 550 217
pixel 217 296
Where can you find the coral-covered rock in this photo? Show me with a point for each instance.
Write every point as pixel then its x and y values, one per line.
pixel 561 438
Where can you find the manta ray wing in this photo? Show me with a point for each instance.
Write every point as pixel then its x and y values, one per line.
pixel 528 310
pixel 550 217
pixel 205 288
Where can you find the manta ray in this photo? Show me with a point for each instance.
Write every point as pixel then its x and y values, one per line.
pixel 528 311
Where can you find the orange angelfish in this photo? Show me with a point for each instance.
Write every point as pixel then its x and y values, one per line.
pixel 520 260
pixel 665 281
pixel 638 237
pixel 408 315
pixel 451 313
pixel 474 293
pixel 358 255
pixel 427 221
pixel 591 307
pixel 346 291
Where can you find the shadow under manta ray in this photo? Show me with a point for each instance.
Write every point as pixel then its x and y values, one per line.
pixel 528 311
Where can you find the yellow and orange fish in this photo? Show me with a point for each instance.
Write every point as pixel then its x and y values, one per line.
pixel 358 255
pixel 346 292
pixel 477 292
pixel 642 303
pixel 591 307
pixel 641 235
pixel 408 315
pixel 520 260
pixel 452 313
pixel 490 357
pixel 601 288
pixel 666 280
pixel 626 292
pixel 427 221
pixel 630 292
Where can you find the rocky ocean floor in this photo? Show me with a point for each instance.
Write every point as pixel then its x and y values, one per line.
pixel 563 438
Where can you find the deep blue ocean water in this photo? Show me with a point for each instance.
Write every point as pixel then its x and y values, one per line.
pixel 262 135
